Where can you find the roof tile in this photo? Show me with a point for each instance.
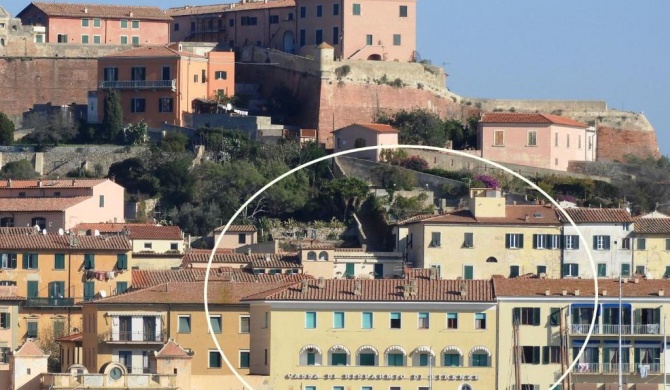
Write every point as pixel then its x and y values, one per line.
pixel 529 287
pixel 652 225
pixel 511 117
pixel 239 6
pixel 72 10
pixel 40 204
pixel 54 241
pixel 74 183
pixel 147 278
pixel 586 215
pixel 237 229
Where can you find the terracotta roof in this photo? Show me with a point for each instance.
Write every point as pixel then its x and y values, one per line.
pixel 102 227
pixel 512 117
pixel 72 337
pixel 415 218
pixel 528 287
pixel 152 51
pixel 40 204
pixel 29 348
pixel 323 247
pixel 376 127
pixel 147 278
pixel 18 230
pixel 74 183
pixel 225 256
pixel 71 10
pixel 154 232
pixel 515 215
pixel 383 290
pixel 185 293
pixel 275 261
pixel 209 9
pixel 586 215
pixel 173 350
pixel 54 241
pixel 652 225
pixel 237 229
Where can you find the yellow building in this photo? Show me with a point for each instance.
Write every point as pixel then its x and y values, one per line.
pixel 652 246
pixel 543 323
pixel 350 263
pixel 489 238
pixel 375 334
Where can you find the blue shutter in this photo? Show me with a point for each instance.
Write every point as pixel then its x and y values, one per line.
pixel 507 240
pixel 607 242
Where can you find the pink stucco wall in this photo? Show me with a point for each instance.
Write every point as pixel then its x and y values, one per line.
pixel 549 152
pixel 345 139
pixel 90 210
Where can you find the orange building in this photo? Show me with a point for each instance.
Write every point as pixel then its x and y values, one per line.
pixel 98 24
pixel 160 84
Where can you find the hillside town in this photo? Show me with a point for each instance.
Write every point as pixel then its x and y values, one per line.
pixel 135 254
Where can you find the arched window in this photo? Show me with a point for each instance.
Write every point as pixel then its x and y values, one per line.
pixel 323 256
pixel 367 355
pixel 338 355
pixel 311 256
pixel 465 386
pixel 452 356
pixel 480 356
pixel 310 355
pixel 491 260
pixel 395 356
pixel 423 356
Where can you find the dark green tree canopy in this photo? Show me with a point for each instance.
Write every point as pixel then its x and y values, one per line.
pixel 6 130
pixel 18 170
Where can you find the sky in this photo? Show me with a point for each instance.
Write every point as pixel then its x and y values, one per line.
pixel 612 50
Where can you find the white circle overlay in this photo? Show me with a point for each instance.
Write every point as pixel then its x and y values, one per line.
pixel 385 147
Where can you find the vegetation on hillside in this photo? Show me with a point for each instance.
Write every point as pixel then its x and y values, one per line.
pixel 6 130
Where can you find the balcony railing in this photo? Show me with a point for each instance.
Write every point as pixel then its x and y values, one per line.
pixel 608 329
pixel 139 84
pixel 584 328
pixel 613 368
pixel 50 302
pixel 651 368
pixel 587 368
pixel 136 337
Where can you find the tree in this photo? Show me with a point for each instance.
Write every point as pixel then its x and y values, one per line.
pixel 18 170
pixel 403 207
pixel 283 103
pixel 418 127
pixel 177 185
pixel 112 121
pixel 174 143
pixel 132 174
pixel 136 133
pixel 50 128
pixel 6 130
pixel 343 196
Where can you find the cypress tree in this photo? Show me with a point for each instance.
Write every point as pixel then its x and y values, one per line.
pixel 6 130
pixel 112 121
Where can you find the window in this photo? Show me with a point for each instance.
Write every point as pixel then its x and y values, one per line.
pixel 601 243
pixel 452 320
pixel 468 240
pixel 184 325
pixel 336 9
pixel 468 272
pixel 244 359
pixel 121 287
pixel 136 40
pixel 30 261
pixel 571 242
pixel 214 359
pixel 403 11
pixel 625 269
pixel 356 9
pixel 136 24
pixel 318 39
pixel 124 23
pixel 148 245
pixel 165 104
pixel 138 73
pixel 137 105
pixel 641 244
pixel 513 271
pixel 530 355
pixel 302 37
pixel 220 75
pixel 338 359
pixel 555 316
pixel 5 320
pixel 174 246
pixel 397 40
pixel 7 260
pixel 514 240
pixel 310 387
pixel 58 329
pixel 84 39
pixel 274 19
pixel 89 290
pixel 310 320
pixel 541 269
pixel 640 270
pixel 248 20
pixel 195 78
pixel 124 39
pixel 366 359
pixel 480 320
pixel 59 261
pixel 338 320
pixel 435 240
pixel 368 39
pixel 667 244
pixel 32 329
pixel 101 201
pixel 424 320
pixel 7 221
pixel 570 270
pixel 579 141
pixel 303 12
pixel 89 261
pixel 498 138
pixel 395 359
pixel 85 22
pixel 111 74
pixel 395 321
pixel 551 354
pixel 245 322
pixel 602 270
pixel 319 11
pixel 96 39
pixel 530 387
pixel 424 360
pixel 366 320
pixel 451 359
pixel 336 35
pixel 62 38
pixel 480 359
pixel 176 26
pixel 625 243
pixel 526 315
pixel 215 322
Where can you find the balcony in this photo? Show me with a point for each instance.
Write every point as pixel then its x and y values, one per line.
pixel 139 84
pixel 587 368
pixel 613 368
pixel 50 302
pixel 652 368
pixel 137 337
pixel 613 330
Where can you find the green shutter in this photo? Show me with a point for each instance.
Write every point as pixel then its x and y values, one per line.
pixel 89 290
pixel 545 355
pixel 516 315
pixel 555 316
pixel 638 316
pixel 667 271
pixel 566 270
pixel 25 261
pixel 536 316
pixel 33 290
pixel 656 316
pixel 535 238
pixel 521 240
pixel 576 267
pixel 59 261
pixel 536 355
pixel 468 272
pixel 606 355
pixel 607 242
pixel 122 261
pixel 12 260
pixel 595 242
pixel 575 241
pixel 121 287
pixel 507 240
pixel 637 356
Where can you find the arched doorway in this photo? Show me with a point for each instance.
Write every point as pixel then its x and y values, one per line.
pixel 289 42
pixel 374 57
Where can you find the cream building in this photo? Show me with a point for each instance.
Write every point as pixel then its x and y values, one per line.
pixel 236 236
pixel 350 263
pixel 375 334
pixel 652 246
pixel 489 238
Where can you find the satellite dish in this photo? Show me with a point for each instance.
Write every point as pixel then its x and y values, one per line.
pixel 229 107
pixel 103 293
pixel 60 232
pixel 44 232
pixel 96 232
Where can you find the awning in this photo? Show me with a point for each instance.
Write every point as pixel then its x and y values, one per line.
pixel 583 305
pixel 616 342
pixel 592 343
pixel 616 306
pixel 480 348
pixel 341 348
pixel 310 348
pixel 369 348
pixel 424 349
pixel 133 314
pixel 452 348
pixel 395 348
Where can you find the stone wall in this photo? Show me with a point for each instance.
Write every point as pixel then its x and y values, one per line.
pixel 615 144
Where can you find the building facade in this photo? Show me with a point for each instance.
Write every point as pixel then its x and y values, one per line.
pixel 361 135
pixel 651 249
pixel 236 236
pixel 98 24
pixel 350 263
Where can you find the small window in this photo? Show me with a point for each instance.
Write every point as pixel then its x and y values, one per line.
pixel 215 322
pixel 452 320
pixel 124 39
pixel 356 9
pixel 319 11
pixel 468 272
pixel 572 242
pixel 32 330
pixel 338 320
pixel 148 245
pixel 514 240
pixel 640 270
pixel 480 320
pixel 244 359
pixel 96 22
pixel 625 243
pixel 303 12
pixel 220 75
pixel 214 359
pixel 403 11
pixel 136 24
pixel 176 26
pixel 101 201
pixel 530 355
pixel 526 315
pixel 395 321
pixel 541 269
pixel 366 320
pixel 602 270
pixel 241 238
pixel 601 243
pixel 184 325
pixel 30 261
pixel 514 271
pixel 571 270
pixel 551 355
pixel 245 322
pixel 625 269
pixel 368 39
pixel 555 316
pixel 136 40
pixel 397 40
pixel 84 39
pixel 641 244
pixel 468 240
pixel 174 246
pixel 59 261
pixel 532 138
pixel 85 22
pixel 195 78
pixel 336 9
pixel 498 138
pixel 310 320
pixel 424 320
pixel 436 240
pixel 124 23
pixel 165 104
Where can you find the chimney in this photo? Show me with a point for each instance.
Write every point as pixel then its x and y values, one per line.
pixel 463 289
pixel 39 183
pixel 577 292
pixel 248 251
pixel 547 292
pixel 527 218
pixel 564 292
pixel 85 10
pixel 73 182
pixel 322 282
pixel 357 288
pixel 661 293
pixel 604 293
pixel 9 183
pixel 131 14
pixel 304 286
pixel 405 290
pixel 637 280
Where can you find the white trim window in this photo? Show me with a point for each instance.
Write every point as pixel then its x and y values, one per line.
pixel 532 138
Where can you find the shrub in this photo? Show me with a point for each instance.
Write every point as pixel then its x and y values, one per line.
pixel 342 71
pixel 415 163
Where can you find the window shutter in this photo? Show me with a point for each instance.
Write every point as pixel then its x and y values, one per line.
pixel 37 258
pixel 92 260
pixel 536 355
pixel 32 289
pixel 566 269
pixel 516 315
pixel 575 268
pixel 521 240
pixel 8 320
pixel 607 242
pixel 595 242
pixel 536 316
pixel 638 316
pixel 637 353
pixel 606 355
pixel 575 242
pixel 12 260
pixel 25 261
pixel 59 261
pixel 535 240
pixel 545 355
pixel 507 240
pixel 122 261
pixel 657 316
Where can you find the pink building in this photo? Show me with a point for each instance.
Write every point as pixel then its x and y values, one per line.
pixel 537 140
pixel 236 236
pixel 360 135
pixel 60 204
pixel 375 29
pixel 98 24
